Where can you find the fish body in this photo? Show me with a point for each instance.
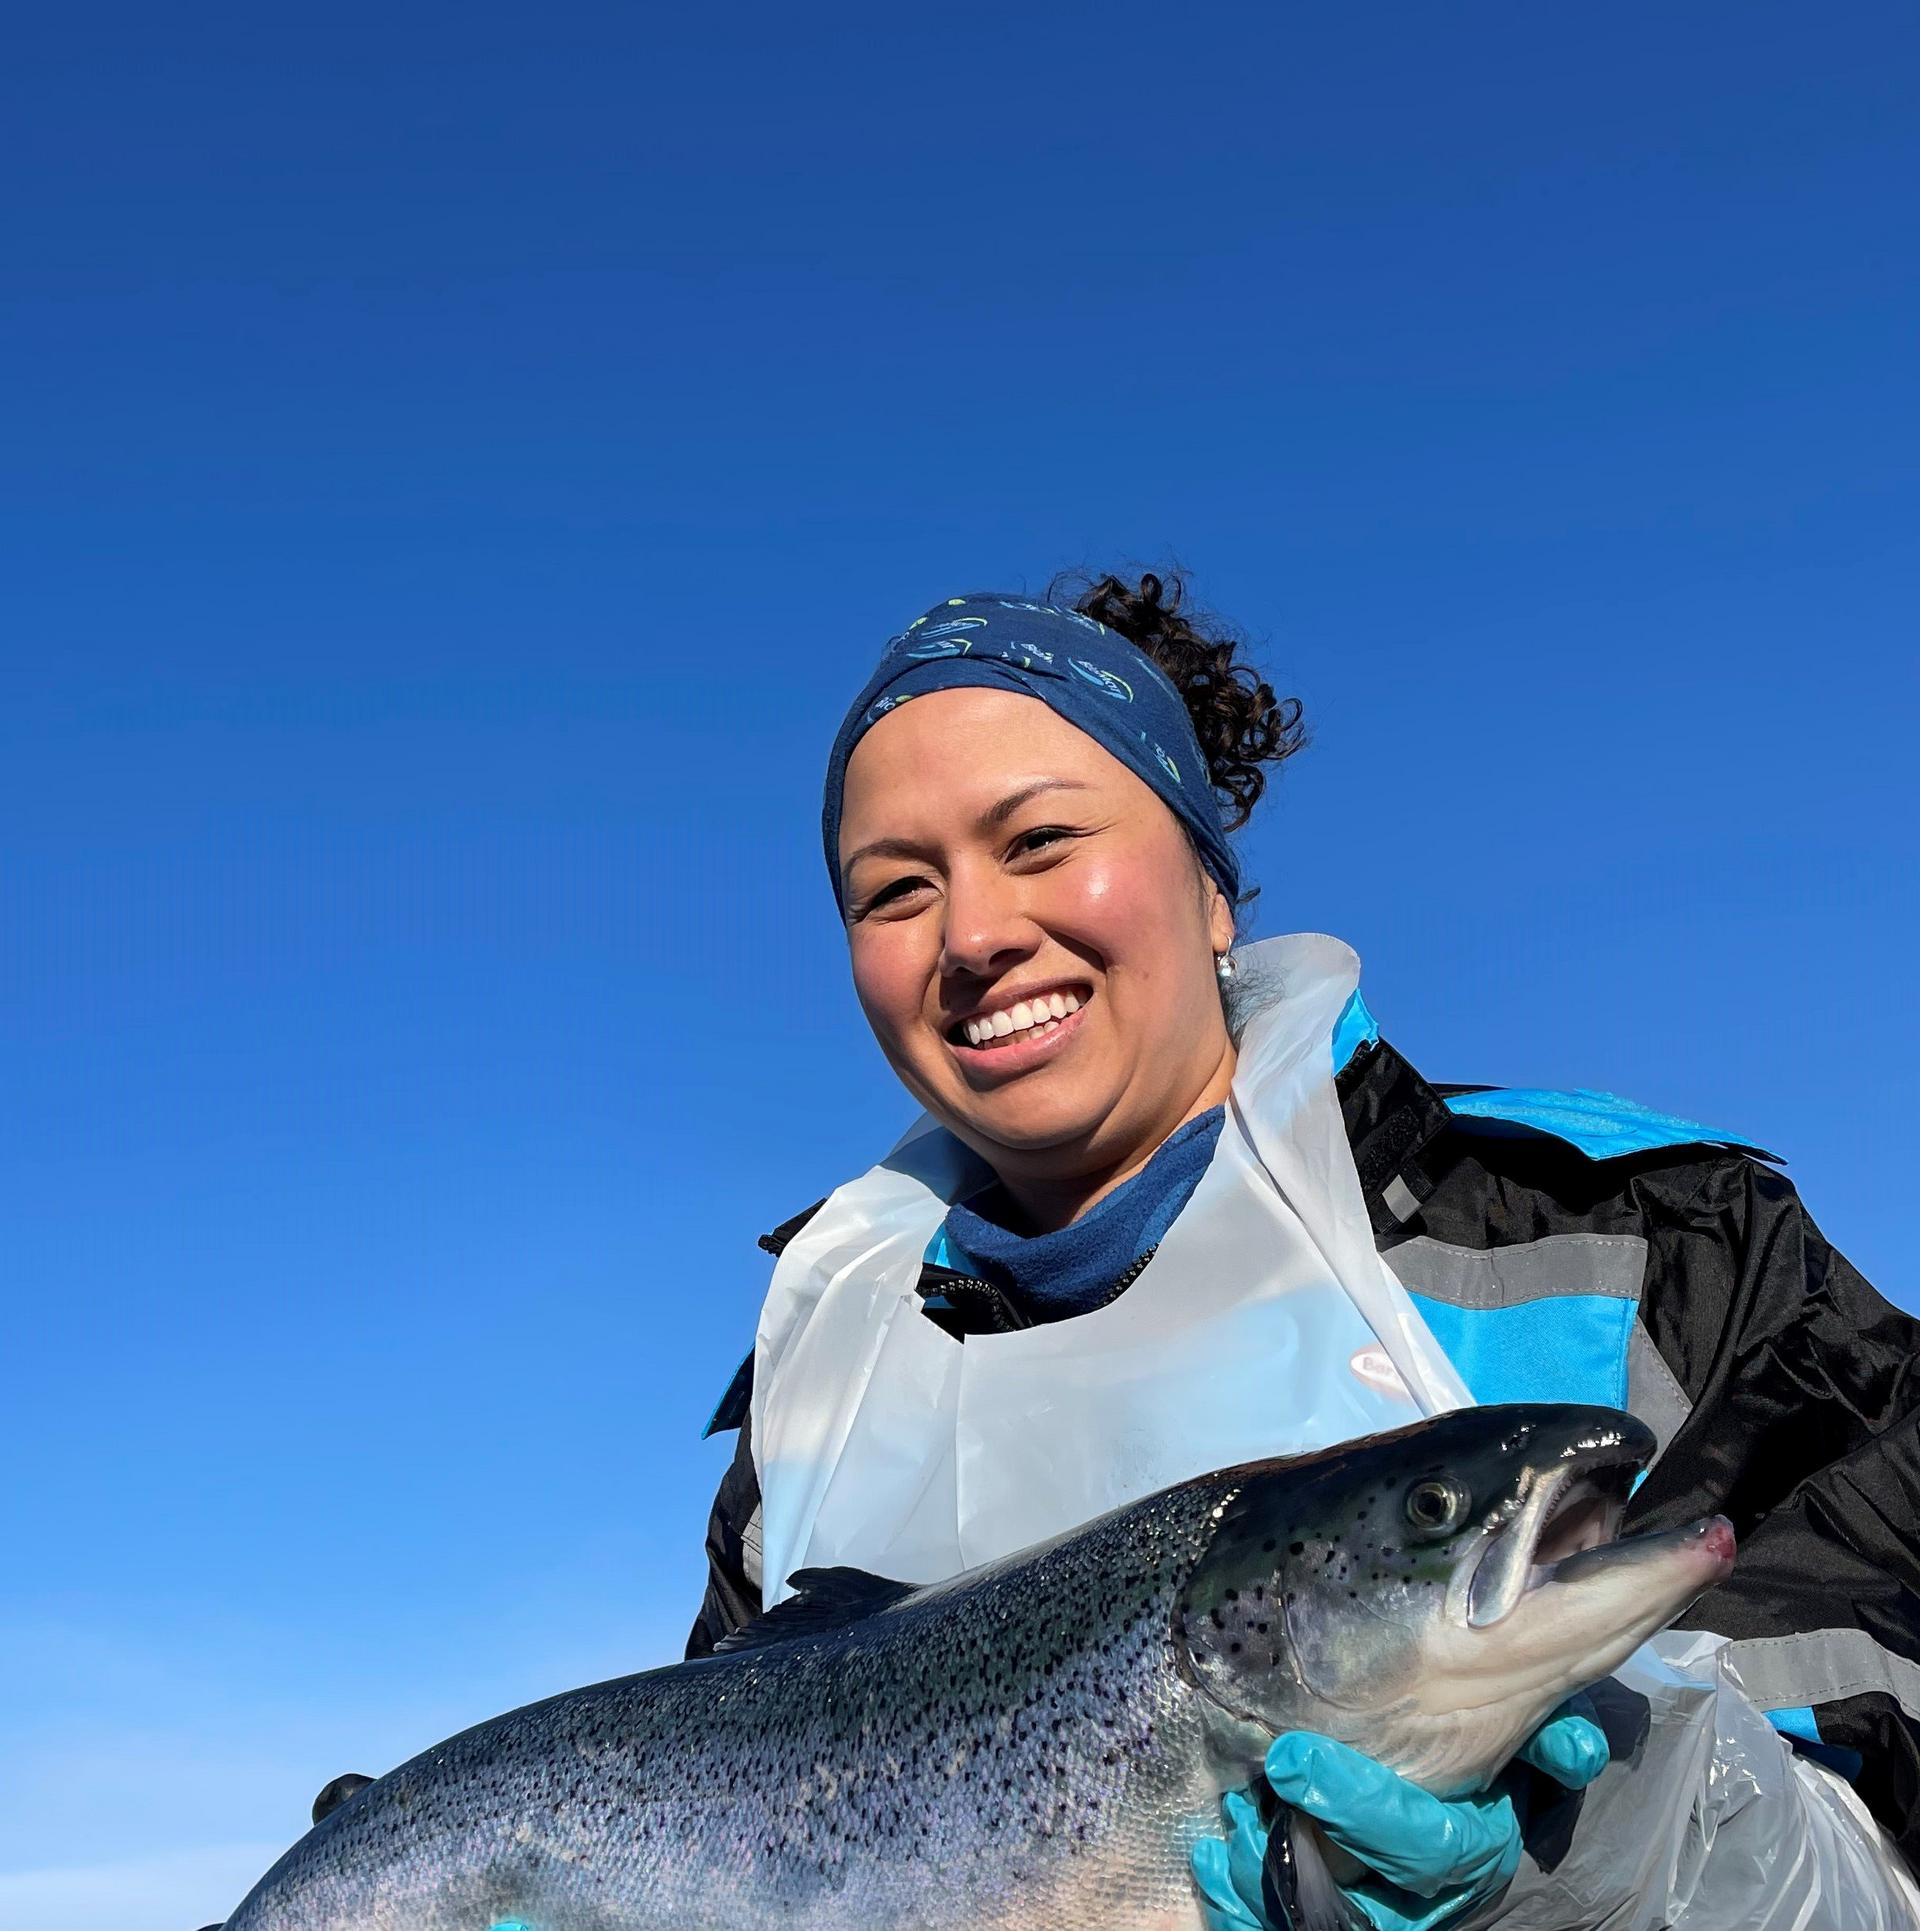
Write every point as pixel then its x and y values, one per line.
pixel 1037 1743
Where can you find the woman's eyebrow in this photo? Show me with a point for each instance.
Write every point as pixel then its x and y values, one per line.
pixel 883 848
pixel 1027 792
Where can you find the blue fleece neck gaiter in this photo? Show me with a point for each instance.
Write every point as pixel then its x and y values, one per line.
pixel 1074 1269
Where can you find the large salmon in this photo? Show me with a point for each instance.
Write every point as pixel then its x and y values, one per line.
pixel 1038 1743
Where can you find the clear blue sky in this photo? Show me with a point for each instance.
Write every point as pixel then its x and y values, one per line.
pixel 458 461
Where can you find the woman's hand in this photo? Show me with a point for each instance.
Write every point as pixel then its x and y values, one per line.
pixel 1431 1859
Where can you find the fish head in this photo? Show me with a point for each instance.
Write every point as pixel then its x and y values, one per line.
pixel 1430 1595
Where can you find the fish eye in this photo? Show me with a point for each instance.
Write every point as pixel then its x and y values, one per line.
pixel 1436 1506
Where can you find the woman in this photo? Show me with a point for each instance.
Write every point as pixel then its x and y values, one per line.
pixel 1143 1236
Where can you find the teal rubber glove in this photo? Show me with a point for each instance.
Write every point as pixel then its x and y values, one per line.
pixel 1431 1858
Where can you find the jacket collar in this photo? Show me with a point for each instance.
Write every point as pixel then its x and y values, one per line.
pixel 1392 1115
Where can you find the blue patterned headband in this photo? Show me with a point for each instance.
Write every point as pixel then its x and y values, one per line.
pixel 1089 675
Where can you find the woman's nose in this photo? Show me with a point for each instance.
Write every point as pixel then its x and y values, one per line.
pixel 987 927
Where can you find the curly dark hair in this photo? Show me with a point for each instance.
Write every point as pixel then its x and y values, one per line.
pixel 1239 721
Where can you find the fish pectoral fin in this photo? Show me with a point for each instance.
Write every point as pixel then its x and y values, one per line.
pixel 1297 1888
pixel 824 1599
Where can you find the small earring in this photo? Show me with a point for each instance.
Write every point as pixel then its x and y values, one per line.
pixel 1223 966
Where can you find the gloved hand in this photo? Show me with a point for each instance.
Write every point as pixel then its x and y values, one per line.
pixel 1431 1858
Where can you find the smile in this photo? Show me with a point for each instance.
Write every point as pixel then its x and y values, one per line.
pixel 1025 1015
pixel 1018 1028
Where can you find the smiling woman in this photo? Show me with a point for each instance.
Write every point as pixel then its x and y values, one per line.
pixel 1039 899
pixel 1176 1205
pixel 1075 886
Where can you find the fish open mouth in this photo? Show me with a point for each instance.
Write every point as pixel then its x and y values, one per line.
pixel 1560 1513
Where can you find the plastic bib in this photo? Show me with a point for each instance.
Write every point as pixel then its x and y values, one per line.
pixel 1265 1324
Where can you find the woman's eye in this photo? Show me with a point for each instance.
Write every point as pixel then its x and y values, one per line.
pixel 894 892
pixel 1040 838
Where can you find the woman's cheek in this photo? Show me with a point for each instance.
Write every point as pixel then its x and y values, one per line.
pixel 1112 902
pixel 877 983
pixel 888 980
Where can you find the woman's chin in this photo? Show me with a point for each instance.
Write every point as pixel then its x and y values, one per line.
pixel 1030 1124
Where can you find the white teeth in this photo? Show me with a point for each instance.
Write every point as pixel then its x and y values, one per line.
pixel 1042 1015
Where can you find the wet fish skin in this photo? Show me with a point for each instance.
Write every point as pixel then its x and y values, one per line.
pixel 1017 1748
pixel 1034 1744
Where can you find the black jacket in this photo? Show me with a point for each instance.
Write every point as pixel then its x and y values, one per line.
pixel 1782 1387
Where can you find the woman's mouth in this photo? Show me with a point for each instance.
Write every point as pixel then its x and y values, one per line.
pixel 1038 1013
pixel 1016 1032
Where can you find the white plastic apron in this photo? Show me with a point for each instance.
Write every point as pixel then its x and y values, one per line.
pixel 1265 1324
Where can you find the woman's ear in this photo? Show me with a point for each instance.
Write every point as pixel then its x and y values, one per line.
pixel 1220 922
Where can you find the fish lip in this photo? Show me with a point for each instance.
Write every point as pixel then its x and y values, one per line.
pixel 1570 1509
pixel 1712 1535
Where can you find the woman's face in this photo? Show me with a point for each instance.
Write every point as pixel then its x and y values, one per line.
pixel 1032 937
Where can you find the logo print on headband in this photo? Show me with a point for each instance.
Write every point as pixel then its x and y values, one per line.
pixel 1054 610
pixel 941 640
pixel 1102 680
pixel 1024 654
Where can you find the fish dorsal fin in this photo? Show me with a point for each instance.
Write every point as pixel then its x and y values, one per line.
pixel 822 1599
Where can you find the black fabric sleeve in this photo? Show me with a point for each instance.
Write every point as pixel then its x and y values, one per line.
pixel 732 1597
pixel 1805 1432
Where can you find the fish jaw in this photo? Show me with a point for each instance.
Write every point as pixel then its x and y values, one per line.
pixel 1583 1615
pixel 1487 1687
